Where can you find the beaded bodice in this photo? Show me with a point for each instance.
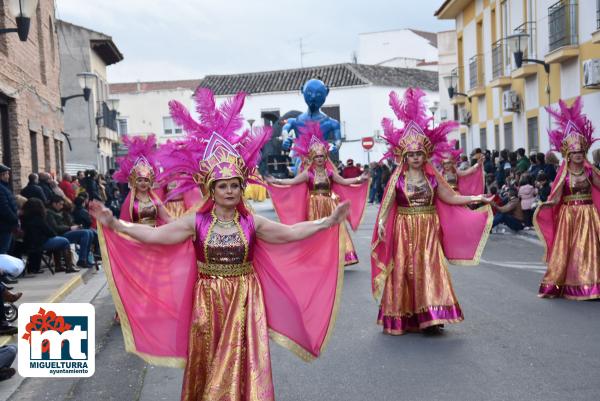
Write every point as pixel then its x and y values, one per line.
pixel 578 185
pixel 225 248
pixel 415 193
pixel 145 212
pixel 319 180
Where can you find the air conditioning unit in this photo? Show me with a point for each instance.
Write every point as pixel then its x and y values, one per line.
pixel 511 101
pixel 464 116
pixel 591 73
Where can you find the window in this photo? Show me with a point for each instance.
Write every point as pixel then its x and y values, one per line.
pixel 122 126
pixel 35 167
pixel 169 127
pixel 508 136
pixel 533 142
pixel 463 142
pixel 497 137
pixel 58 157
pixel 46 154
pixel 482 138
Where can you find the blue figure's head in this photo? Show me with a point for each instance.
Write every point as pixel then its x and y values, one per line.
pixel 315 92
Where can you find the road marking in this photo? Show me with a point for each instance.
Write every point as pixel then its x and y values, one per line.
pixel 538 267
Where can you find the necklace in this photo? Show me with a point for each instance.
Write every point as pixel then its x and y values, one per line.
pixel 225 223
pixel 578 173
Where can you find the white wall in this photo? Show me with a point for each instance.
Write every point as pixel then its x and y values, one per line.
pixel 378 47
pixel 144 111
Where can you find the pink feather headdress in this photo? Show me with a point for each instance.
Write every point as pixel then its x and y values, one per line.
pixel 310 142
pixel 447 153
pixel 415 136
pixel 140 160
pixel 574 132
pixel 216 147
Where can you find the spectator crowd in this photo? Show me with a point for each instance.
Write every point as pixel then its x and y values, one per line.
pixel 48 226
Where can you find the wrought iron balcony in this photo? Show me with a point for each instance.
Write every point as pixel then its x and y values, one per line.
pixel 562 24
pixel 597 14
pixel 498 59
pixel 476 78
pixel 530 29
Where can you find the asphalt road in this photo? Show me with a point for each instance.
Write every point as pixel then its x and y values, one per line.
pixel 511 346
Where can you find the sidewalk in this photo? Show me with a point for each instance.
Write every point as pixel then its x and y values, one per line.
pixel 46 288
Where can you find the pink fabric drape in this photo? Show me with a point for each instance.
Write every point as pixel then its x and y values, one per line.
pixel 472 184
pixel 545 217
pixel 127 208
pixel 291 201
pixel 152 288
pixel 464 231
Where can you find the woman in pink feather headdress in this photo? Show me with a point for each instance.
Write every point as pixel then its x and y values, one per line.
pixel 316 191
pixel 207 290
pixel 466 182
pixel 139 169
pixel 421 222
pixel 569 221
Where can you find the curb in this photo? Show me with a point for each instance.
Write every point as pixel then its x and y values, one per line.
pixel 58 296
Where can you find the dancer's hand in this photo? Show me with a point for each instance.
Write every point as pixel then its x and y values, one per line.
pixel 102 214
pixel 340 213
pixel 380 230
pixel 270 179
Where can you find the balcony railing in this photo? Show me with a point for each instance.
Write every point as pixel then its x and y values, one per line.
pixel 498 59
pixel 476 71
pixel 597 14
pixel 562 24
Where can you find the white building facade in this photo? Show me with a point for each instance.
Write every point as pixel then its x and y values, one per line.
pixel 506 107
pixel 402 48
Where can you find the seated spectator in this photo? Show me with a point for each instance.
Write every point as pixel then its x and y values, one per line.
pixel 543 186
pixel 67 187
pixel 90 185
pixel 62 223
pixel 527 194
pixel 351 171
pixel 464 162
pixel 8 353
pixel 493 193
pixel 596 158
pixel 552 164
pixel 114 204
pixel 82 218
pixel 40 237
pixel 523 161
pixel 511 213
pixel 45 182
pixel 33 189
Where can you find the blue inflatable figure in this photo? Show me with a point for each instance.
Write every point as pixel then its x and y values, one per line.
pixel 315 92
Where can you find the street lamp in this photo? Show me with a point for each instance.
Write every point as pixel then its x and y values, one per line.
pixel 86 80
pixel 517 45
pixel 22 11
pixel 433 108
pixel 451 82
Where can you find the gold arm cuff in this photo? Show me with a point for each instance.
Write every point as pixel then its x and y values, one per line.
pixel 225 269
pixel 416 210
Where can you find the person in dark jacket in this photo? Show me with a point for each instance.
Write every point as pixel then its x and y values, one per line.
pixel 33 189
pixel 91 186
pixel 63 224
pixel 45 184
pixel 40 237
pixel 82 218
pixel 8 210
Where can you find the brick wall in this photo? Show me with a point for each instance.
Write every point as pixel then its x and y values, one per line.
pixel 29 78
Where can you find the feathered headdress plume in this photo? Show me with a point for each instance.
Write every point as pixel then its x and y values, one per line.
pixel 310 141
pixel 415 135
pixel 447 153
pixel 574 132
pixel 216 146
pixel 140 160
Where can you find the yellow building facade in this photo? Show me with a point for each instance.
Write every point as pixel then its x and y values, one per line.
pixel 504 105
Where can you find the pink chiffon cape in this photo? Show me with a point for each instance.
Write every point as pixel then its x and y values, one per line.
pixel 128 204
pixel 464 232
pixel 472 184
pixel 291 201
pixel 152 288
pixel 545 218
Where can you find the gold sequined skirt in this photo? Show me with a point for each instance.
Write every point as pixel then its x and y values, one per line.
pixel 228 356
pixel 323 205
pixel 574 264
pixel 418 291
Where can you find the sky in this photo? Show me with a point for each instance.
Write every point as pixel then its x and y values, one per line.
pixel 177 39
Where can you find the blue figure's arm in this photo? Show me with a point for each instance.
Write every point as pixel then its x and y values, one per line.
pixel 332 133
pixel 288 140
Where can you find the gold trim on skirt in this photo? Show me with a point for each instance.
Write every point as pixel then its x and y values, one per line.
pixel 416 210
